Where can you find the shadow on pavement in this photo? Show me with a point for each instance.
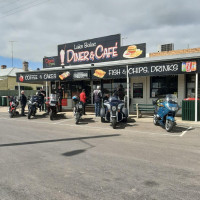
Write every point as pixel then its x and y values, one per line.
pixel 60 116
pixel 86 121
pixel 178 129
pixel 78 151
pixel 123 125
pixel 57 140
pixel 75 152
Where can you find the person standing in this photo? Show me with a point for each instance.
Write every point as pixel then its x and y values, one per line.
pixel 97 95
pixel 42 95
pixel 23 100
pixel 60 94
pixel 83 99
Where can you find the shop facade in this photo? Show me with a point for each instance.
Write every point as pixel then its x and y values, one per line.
pixel 102 61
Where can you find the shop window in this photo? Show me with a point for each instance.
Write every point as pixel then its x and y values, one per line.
pixel 67 90
pixel 190 85
pixel 162 85
pixel 76 88
pixel 107 87
pixel 119 82
pixel 137 90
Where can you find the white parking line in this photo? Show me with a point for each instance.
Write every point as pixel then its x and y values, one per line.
pixel 184 132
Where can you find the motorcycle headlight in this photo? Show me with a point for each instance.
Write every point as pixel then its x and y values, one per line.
pixel 172 108
pixel 114 108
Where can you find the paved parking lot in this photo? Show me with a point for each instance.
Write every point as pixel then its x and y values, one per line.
pixel 43 159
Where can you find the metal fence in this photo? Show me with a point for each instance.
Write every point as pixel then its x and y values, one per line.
pixel 16 93
pixel 5 93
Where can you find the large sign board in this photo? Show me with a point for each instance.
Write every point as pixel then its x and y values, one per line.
pixel 96 50
pixel 89 51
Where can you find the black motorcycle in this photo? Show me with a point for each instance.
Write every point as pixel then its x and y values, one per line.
pixel 113 111
pixel 13 106
pixel 78 109
pixel 34 103
pixel 54 106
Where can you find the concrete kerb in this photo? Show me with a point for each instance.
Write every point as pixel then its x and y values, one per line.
pixel 145 118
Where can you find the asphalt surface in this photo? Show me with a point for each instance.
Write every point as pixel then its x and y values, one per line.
pixel 43 159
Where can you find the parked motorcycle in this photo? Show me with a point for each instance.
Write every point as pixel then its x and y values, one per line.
pixel 113 111
pixel 13 106
pixel 165 111
pixel 54 106
pixel 78 109
pixel 34 103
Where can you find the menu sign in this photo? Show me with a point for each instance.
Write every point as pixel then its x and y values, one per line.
pixel 90 51
pixel 67 75
pixel 149 69
pixel 49 62
pixel 36 77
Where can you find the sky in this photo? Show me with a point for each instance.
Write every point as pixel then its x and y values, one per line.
pixel 36 27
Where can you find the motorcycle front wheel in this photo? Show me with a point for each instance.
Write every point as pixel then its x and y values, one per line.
pixel 29 114
pixel 11 113
pixel 77 117
pixel 103 120
pixel 155 120
pixel 114 122
pixel 51 114
pixel 169 125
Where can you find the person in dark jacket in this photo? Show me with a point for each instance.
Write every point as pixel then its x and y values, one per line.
pixel 97 95
pixel 42 95
pixel 60 95
pixel 23 100
pixel 119 92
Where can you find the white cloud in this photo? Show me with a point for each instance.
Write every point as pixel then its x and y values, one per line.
pixel 38 30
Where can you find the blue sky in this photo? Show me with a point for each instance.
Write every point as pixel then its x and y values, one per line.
pixel 18 63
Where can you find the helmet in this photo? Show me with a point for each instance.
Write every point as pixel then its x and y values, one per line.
pixel 75 98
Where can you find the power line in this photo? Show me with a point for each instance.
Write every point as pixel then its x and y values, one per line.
pixel 19 7
pixel 20 10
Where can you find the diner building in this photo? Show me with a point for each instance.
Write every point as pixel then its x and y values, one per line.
pixel 103 61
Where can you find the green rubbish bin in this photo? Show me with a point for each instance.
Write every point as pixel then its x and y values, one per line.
pixel 188 110
pixel 0 101
pixel 4 100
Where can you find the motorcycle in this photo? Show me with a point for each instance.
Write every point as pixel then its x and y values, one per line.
pixel 13 106
pixel 54 106
pixel 165 111
pixel 34 103
pixel 78 109
pixel 113 111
